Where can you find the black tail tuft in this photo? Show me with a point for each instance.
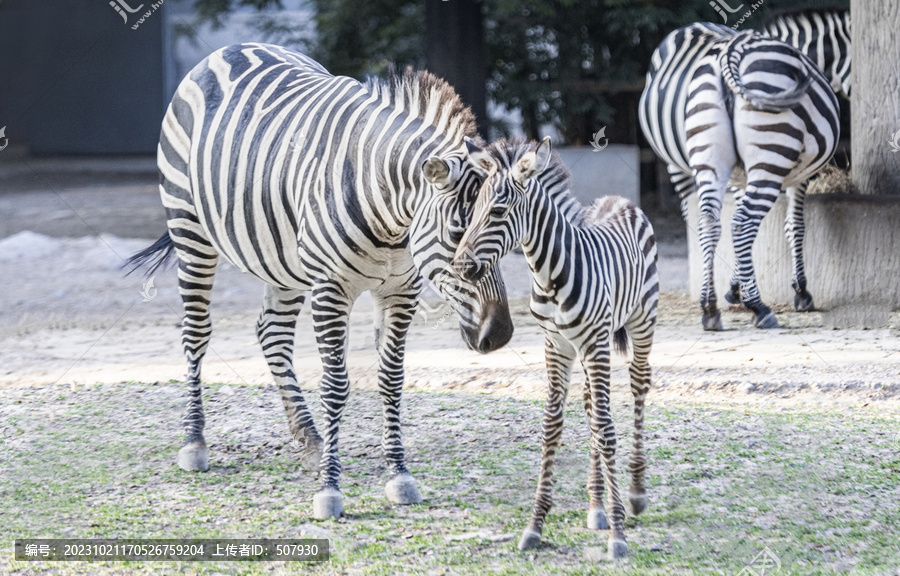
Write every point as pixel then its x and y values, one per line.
pixel 620 342
pixel 155 256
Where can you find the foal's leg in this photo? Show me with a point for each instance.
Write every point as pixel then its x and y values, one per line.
pixel 603 439
pixel 641 330
pixel 559 355
pixel 275 328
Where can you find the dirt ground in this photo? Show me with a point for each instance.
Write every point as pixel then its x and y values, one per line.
pixel 90 361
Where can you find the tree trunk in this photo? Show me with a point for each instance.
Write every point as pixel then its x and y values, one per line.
pixel 454 39
pixel 875 110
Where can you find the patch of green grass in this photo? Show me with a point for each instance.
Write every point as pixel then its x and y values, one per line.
pixel 820 490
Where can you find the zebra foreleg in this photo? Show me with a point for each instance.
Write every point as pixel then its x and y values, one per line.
pixel 275 328
pixel 395 314
pixel 195 282
pixel 745 227
pixel 795 229
pixel 603 440
pixel 331 306
pixel 559 356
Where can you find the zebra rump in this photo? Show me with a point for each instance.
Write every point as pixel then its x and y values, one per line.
pixel 744 45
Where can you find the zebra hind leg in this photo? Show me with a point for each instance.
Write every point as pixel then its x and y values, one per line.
pixel 392 325
pixel 639 370
pixel 275 329
pixel 795 229
pixel 745 227
pixel 603 440
pixel 559 356
pixel 196 271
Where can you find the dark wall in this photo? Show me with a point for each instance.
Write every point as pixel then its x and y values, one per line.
pixel 76 79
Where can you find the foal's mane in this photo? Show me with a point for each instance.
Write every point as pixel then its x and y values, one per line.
pixel 555 179
pixel 430 98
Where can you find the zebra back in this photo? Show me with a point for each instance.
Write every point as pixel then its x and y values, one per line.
pixel 823 35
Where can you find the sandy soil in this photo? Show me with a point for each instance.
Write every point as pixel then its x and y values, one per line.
pixel 67 315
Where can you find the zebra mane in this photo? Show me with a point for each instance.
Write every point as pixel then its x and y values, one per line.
pixel 555 179
pixel 428 97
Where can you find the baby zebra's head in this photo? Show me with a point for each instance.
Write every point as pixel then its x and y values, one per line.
pixel 501 217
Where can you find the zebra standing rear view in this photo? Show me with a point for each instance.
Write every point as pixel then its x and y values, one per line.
pixel 714 99
pixel 311 183
pixel 594 280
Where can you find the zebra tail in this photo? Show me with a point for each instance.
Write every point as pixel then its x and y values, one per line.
pixel 620 342
pixel 729 62
pixel 154 256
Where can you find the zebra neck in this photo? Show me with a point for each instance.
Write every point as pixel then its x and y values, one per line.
pixel 550 240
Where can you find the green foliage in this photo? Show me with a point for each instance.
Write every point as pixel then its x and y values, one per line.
pixel 559 61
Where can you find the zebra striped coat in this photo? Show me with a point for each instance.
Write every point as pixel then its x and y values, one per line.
pixel 715 99
pixel 823 35
pixel 312 183
pixel 594 276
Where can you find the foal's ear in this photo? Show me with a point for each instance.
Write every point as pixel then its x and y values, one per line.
pixel 479 157
pixel 532 163
pixel 436 170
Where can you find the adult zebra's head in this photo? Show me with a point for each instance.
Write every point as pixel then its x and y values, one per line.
pixel 454 179
pixel 502 211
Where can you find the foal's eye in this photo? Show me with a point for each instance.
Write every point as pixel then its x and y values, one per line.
pixel 498 211
pixel 456 234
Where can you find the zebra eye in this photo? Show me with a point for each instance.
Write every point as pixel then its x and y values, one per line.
pixel 499 211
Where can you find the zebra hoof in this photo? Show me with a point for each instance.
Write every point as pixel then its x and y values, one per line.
pixel 637 503
pixel 596 519
pixel 767 321
pixel 194 457
pixel 803 301
pixel 311 455
pixel 401 489
pixel 617 550
pixel 328 503
pixel 530 539
pixel 712 322
pixel 733 297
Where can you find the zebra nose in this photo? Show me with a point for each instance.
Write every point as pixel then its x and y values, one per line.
pixel 496 329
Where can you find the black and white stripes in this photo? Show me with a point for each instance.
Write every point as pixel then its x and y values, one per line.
pixel 594 282
pixel 715 99
pixel 311 183
pixel 823 35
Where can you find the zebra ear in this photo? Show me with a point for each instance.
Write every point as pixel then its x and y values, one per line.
pixel 532 163
pixel 436 170
pixel 478 156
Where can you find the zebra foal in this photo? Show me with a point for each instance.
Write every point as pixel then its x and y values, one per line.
pixel 594 281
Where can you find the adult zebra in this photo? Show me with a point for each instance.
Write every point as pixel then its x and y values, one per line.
pixel 312 183
pixel 823 35
pixel 594 281
pixel 715 98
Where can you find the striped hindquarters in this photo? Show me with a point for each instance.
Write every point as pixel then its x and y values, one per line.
pixel 823 35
